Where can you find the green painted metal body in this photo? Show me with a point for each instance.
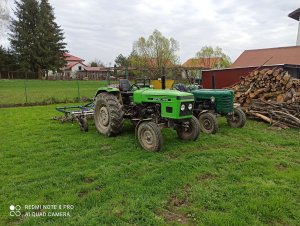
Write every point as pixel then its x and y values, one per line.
pixel 170 100
pixel 224 98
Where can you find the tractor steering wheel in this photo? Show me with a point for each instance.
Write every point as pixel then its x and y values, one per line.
pixel 134 85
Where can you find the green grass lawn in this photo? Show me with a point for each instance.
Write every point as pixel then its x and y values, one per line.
pixel 13 91
pixel 246 176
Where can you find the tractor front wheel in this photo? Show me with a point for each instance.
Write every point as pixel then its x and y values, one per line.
pixel 237 119
pixel 189 131
pixel 149 136
pixel 208 123
pixel 108 114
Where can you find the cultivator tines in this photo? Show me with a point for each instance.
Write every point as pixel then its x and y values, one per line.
pixel 76 113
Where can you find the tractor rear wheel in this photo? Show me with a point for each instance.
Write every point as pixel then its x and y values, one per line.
pixel 149 136
pixel 191 132
pixel 108 114
pixel 208 123
pixel 237 119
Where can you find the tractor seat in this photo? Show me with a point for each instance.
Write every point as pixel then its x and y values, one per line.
pixel 125 87
pixel 181 87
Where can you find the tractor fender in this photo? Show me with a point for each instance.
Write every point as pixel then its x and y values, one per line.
pixel 202 112
pixel 137 125
pixel 108 90
pixel 114 91
pixel 235 106
pixel 208 111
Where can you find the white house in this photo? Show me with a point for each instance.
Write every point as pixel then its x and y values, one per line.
pixel 73 65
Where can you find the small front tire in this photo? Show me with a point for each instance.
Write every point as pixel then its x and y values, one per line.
pixel 208 123
pixel 191 132
pixel 237 119
pixel 149 136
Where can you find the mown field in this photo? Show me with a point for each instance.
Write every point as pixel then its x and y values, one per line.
pixel 246 176
pixel 43 91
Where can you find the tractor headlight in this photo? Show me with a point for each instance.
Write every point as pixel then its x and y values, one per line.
pixel 212 99
pixel 182 108
pixel 190 107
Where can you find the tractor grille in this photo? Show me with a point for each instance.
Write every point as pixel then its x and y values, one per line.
pixel 225 104
pixel 186 110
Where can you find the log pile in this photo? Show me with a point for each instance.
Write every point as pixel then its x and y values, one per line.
pixel 270 95
pixel 282 115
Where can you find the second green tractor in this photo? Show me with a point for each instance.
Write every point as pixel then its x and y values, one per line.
pixel 210 103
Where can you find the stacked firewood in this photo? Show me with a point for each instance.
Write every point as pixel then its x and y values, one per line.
pixel 271 95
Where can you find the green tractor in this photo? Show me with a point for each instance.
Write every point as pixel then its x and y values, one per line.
pixel 148 109
pixel 209 103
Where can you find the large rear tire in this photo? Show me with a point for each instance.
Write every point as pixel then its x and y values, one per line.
pixel 149 136
pixel 208 123
pixel 191 132
pixel 237 119
pixel 108 114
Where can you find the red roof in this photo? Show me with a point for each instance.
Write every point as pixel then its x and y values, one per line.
pixel 94 68
pixel 69 57
pixel 201 62
pixel 72 64
pixel 153 63
pixel 271 56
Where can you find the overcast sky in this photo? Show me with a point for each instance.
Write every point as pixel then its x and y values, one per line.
pixel 105 28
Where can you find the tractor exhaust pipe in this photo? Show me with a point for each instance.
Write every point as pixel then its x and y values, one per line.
pixel 163 79
pixel 163 82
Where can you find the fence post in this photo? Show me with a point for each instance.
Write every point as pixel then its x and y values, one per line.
pixel 25 86
pixel 78 91
pixel 108 77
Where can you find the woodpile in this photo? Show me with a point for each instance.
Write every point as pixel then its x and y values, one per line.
pixel 271 95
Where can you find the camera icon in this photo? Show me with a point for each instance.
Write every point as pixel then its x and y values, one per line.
pixel 15 210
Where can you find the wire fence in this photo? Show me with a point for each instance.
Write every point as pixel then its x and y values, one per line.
pixel 38 92
pixel 58 89
pixel 19 75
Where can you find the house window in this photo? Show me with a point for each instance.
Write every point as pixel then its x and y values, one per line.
pixel 79 68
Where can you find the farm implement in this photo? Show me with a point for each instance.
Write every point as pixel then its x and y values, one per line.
pixel 77 113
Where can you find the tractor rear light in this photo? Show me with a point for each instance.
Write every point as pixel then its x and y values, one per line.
pixel 190 107
pixel 182 108
pixel 212 99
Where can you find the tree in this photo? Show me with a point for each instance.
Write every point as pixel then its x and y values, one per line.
pixel 157 51
pixel 51 40
pixel 35 37
pixel 96 63
pixel 23 36
pixel 7 60
pixel 214 57
pixel 122 61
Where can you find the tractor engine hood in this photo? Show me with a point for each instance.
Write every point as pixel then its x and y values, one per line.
pixel 208 93
pixel 158 96
pixel 173 104
pixel 221 98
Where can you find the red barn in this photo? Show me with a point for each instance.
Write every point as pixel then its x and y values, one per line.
pixel 287 58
